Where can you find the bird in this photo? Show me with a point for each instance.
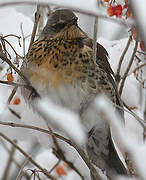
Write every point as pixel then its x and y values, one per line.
pixel 60 65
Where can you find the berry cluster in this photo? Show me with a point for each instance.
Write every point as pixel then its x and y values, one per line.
pixel 118 10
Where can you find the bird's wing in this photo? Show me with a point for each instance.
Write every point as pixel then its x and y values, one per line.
pixel 102 56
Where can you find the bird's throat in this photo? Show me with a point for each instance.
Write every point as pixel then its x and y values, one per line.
pixel 73 32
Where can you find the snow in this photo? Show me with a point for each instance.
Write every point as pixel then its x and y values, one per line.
pixel 62 119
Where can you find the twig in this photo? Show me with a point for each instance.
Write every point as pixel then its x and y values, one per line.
pixel 128 67
pixel 144 53
pixel 78 149
pixel 11 35
pixel 14 113
pixel 140 66
pixel 4 58
pixel 26 155
pixel 94 40
pixel 23 39
pixel 12 83
pixel 60 155
pixel 117 77
pixel 37 17
pixel 2 38
pixel 22 167
pixel 9 163
pixel 77 9
pixel 14 160
pixel 55 166
pixel 141 121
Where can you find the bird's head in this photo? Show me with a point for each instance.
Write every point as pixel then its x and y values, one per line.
pixel 62 21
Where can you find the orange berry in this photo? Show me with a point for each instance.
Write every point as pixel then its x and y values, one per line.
pixel 60 170
pixel 133 107
pixel 142 46
pixel 110 11
pixel 134 34
pixel 16 101
pixel 10 77
pixel 134 72
pixel 106 0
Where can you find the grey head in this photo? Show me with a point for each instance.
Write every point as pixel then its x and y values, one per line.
pixel 58 20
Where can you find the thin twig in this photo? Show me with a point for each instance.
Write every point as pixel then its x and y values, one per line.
pixel 14 160
pixel 17 55
pixel 94 40
pixel 140 52
pixel 128 67
pixel 78 149
pixel 37 17
pixel 55 166
pixel 9 163
pixel 13 83
pixel 23 39
pixel 77 9
pixel 12 93
pixel 26 155
pixel 14 113
pixel 60 155
pixel 11 35
pixel 117 77
pixel 22 167
pixel 139 67
pixel 141 121
pixel 4 58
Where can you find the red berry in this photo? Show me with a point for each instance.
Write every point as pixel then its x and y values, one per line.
pixel 118 10
pixel 115 10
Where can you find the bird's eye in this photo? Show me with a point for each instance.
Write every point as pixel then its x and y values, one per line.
pixel 59 26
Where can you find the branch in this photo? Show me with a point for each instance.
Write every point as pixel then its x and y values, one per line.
pixel 37 17
pixel 78 149
pixel 94 40
pixel 77 9
pixel 9 163
pixel 2 38
pixel 128 68
pixel 4 58
pixel 141 121
pixel 23 39
pixel 29 157
pixel 139 67
pixel 14 160
pixel 13 84
pixel 55 166
pixel 117 77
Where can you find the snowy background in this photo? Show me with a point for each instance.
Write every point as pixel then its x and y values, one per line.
pixel 114 38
